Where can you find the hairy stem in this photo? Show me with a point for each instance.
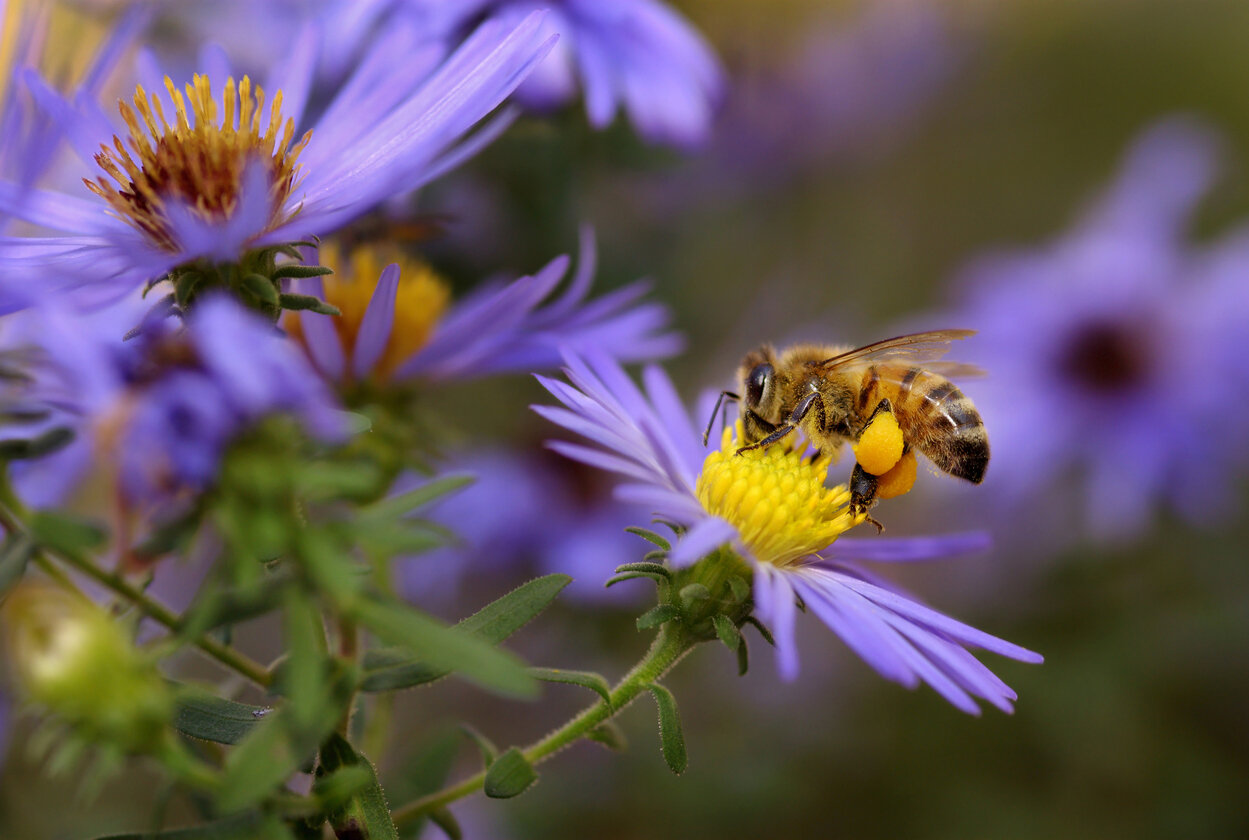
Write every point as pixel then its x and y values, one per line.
pixel 669 646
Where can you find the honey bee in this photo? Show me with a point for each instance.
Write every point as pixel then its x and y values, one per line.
pixel 832 394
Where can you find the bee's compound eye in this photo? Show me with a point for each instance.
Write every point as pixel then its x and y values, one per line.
pixel 756 382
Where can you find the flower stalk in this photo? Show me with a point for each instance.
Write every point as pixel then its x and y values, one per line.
pixel 669 647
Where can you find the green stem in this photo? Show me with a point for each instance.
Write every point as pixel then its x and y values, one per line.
pixel 13 515
pixel 669 646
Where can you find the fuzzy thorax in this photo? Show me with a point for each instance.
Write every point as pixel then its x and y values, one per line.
pixel 199 161
pixel 776 499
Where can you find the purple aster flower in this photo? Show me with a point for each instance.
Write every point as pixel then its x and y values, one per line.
pixel 161 408
pixel 396 123
pixel 396 323
pixel 1111 349
pixel 772 508
pixel 636 55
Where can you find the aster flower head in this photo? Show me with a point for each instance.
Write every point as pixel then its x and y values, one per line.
pixel 1109 347
pixel 772 509
pixel 399 325
pixel 639 56
pixel 162 408
pixel 199 181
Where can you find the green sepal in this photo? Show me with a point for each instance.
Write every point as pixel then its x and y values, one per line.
pixel 208 717
pixel 740 588
pixel 510 775
pixel 293 271
pixel 494 623
pixel 650 537
pixel 53 440
pixel 646 568
pixel 489 752
pixel 656 556
pixel 446 821
pixel 727 631
pixel 693 593
pixel 609 735
pixel 743 657
pixel 612 581
pixel 657 615
pixel 763 631
pixel 585 679
pixel 15 554
pixel 311 303
pixel 185 281
pixel 670 738
pixel 262 288
pixel 444 649
pixel 244 827
pixel 65 533
pixel 366 808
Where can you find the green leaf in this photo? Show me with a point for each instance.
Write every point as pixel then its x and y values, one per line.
pixel 489 752
pixel 727 631
pixel 509 775
pixel 15 553
pixel 405 503
pixel 650 537
pixel 66 534
pixel 444 648
pixel 216 606
pixel 244 827
pixel 670 737
pixel 309 302
pixel 657 615
pixel 367 809
pixel 211 718
pixel 262 287
pixel 445 820
pixel 294 270
pixel 387 669
pixel 17 449
pixel 585 679
pixel 609 735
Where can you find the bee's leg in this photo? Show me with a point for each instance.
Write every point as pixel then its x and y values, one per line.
pixel 812 400
pixel 863 494
pixel 711 421
pixel 883 405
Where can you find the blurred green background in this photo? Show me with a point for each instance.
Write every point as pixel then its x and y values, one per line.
pixel 1136 726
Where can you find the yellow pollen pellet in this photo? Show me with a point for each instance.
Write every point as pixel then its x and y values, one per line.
pixel 900 479
pixel 880 445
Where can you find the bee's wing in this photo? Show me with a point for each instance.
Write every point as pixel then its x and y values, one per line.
pixel 955 370
pixel 917 347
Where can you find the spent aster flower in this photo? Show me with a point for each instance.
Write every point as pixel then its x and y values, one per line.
pixel 397 323
pixel 772 507
pixel 1111 348
pixel 639 55
pixel 162 407
pixel 203 182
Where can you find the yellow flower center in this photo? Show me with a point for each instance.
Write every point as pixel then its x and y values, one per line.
pixel 198 165
pixel 419 303
pixel 776 499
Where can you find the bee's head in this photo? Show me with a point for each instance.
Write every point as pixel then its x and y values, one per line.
pixel 758 380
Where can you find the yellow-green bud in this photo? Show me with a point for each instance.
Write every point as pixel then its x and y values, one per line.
pixel 71 657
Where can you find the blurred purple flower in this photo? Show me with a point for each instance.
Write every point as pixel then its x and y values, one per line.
pixel 650 440
pixel 639 55
pixel 500 327
pixel 1111 350
pixel 163 406
pixel 529 516
pixel 396 123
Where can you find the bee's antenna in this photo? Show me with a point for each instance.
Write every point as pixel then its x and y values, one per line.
pixel 711 421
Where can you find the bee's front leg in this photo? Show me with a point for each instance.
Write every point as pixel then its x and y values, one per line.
pixel 863 486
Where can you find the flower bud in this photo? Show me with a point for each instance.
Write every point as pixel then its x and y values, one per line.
pixel 73 658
